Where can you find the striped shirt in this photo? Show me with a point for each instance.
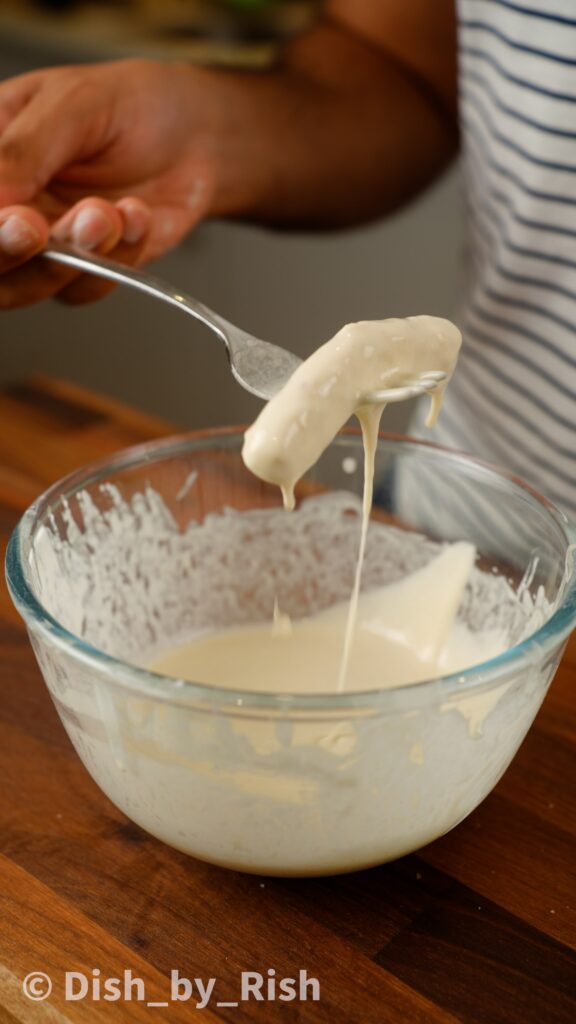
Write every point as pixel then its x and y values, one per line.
pixel 513 398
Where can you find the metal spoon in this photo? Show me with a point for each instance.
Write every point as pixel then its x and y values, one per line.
pixel 259 366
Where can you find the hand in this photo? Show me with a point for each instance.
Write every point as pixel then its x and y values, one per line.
pixel 356 117
pixel 111 157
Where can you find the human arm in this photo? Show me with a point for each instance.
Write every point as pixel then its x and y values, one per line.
pixel 358 115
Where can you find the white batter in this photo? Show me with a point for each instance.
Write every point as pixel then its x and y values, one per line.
pixel 405 633
pixel 295 427
pixel 286 790
pixel 299 423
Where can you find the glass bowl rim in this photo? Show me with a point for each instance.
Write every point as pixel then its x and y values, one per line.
pixel 123 674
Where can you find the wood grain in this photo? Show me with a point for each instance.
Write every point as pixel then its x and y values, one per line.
pixel 478 928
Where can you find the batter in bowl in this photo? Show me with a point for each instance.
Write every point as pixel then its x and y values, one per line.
pixel 403 633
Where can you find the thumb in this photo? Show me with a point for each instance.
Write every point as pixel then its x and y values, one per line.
pixel 60 125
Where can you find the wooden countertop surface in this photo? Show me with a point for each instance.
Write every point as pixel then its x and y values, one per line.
pixel 479 927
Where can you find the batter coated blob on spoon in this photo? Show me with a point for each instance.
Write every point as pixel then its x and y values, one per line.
pixel 299 423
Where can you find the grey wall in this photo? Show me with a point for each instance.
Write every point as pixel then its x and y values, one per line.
pixel 293 289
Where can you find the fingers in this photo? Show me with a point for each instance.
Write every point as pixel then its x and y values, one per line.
pixel 137 218
pixel 61 120
pixel 92 224
pixel 15 93
pixel 126 246
pixel 120 230
pixel 32 282
pixel 23 233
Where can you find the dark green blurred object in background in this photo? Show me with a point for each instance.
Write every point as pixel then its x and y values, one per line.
pixel 209 19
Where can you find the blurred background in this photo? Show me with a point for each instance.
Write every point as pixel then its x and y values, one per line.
pixel 294 289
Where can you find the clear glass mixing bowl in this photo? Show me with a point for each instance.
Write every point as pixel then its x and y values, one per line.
pixel 176 537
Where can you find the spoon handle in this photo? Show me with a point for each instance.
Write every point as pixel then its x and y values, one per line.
pixel 101 266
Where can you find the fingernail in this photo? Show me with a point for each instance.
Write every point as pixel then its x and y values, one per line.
pixel 136 222
pixel 17 236
pixel 133 232
pixel 90 228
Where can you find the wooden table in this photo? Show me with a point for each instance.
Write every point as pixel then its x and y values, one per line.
pixel 478 927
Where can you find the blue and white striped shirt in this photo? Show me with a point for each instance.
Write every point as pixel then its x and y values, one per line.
pixel 513 398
